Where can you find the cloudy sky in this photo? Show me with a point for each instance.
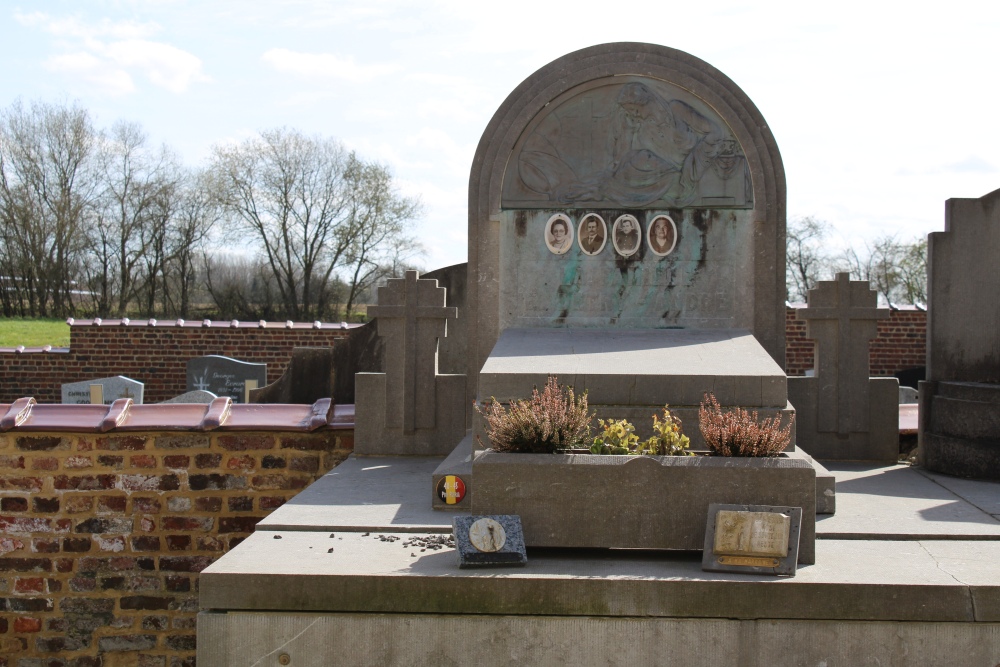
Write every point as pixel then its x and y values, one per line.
pixel 881 110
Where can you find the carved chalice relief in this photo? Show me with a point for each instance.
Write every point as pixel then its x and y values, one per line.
pixel 487 535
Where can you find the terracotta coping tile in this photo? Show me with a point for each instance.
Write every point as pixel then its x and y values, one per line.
pixel 214 324
pixel 123 415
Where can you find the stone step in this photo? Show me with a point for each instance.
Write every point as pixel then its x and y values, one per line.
pixel 979 459
pixel 974 420
pixel 970 391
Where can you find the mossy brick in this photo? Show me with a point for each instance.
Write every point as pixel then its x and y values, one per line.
pixel 156 623
pixel 184 623
pixel 12 462
pixel 76 544
pixel 309 442
pixel 82 584
pixel 187 441
pixel 111 504
pixel 111 461
pixel 144 603
pixel 269 462
pixel 169 482
pixel 181 642
pixel 27 585
pixel 74 605
pixel 48 463
pixel 184 563
pixel 208 504
pixel 27 624
pixel 272 502
pixel 176 584
pixel 238 524
pixel 45 505
pixel 146 505
pixel 116 643
pixel 176 661
pixel 304 464
pixel 177 461
pixel 58 645
pixel 13 504
pixel 29 443
pixel 35 605
pixel 129 583
pixel 32 484
pixel 146 543
pixel 119 443
pixel 44 545
pixel 203 461
pixel 238 442
pixel 142 461
pixel 178 542
pixel 55 624
pixel 240 504
pixel 216 482
pixel 190 523
pixel 84 482
pixel 78 504
pixel 105 525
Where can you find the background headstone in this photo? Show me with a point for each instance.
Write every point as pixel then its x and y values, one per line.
pixel 223 376
pixel 196 396
pixel 841 412
pixel 959 431
pixel 411 408
pixel 119 386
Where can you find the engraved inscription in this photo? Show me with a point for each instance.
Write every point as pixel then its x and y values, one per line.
pixel 751 534
pixel 748 561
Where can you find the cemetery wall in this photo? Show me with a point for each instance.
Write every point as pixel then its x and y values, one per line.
pixel 154 353
pixel 102 536
pixel 901 342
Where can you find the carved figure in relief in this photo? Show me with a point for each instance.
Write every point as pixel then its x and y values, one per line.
pixel 626 231
pixel 655 150
pixel 558 237
pixel 593 233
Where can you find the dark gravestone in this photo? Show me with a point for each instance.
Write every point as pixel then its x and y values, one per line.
pixel 224 376
pixel 308 378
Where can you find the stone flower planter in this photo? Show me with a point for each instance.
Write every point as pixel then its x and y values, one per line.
pixel 635 502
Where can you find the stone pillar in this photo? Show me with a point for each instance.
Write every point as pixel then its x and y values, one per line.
pixel 410 409
pixel 842 413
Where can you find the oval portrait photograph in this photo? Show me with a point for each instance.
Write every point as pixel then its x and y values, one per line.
pixel 662 235
pixel 592 234
pixel 559 233
pixel 626 235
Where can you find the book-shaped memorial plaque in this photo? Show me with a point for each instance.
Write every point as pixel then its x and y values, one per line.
pixel 755 539
pixel 489 541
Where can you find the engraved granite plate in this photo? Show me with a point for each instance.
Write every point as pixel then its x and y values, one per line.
pixel 489 541
pixel 754 539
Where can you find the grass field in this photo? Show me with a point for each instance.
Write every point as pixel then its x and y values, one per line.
pixel 32 333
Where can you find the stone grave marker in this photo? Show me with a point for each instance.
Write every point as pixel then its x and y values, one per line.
pixel 842 412
pixel 224 376
pixel 959 432
pixel 113 388
pixel 196 396
pixel 489 541
pixel 411 408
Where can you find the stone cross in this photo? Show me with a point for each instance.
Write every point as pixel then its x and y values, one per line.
pixel 841 317
pixel 411 317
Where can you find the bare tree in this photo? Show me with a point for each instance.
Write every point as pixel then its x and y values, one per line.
pixel 139 184
pixel 380 216
pixel 47 183
pixel 897 270
pixel 807 258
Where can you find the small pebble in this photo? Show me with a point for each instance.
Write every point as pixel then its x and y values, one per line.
pixel 330 550
pixel 277 537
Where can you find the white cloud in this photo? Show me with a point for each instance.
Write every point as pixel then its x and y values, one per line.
pixel 324 65
pixel 87 67
pixel 111 63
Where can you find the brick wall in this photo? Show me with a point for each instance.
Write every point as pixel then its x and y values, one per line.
pixel 102 537
pixel 901 343
pixel 153 353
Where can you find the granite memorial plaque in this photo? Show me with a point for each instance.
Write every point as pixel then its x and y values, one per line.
pixel 113 388
pixel 489 541
pixel 224 376
pixel 755 539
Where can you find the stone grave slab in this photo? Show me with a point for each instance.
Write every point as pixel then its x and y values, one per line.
pixel 224 376
pixel 842 412
pixel 630 374
pixel 119 386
